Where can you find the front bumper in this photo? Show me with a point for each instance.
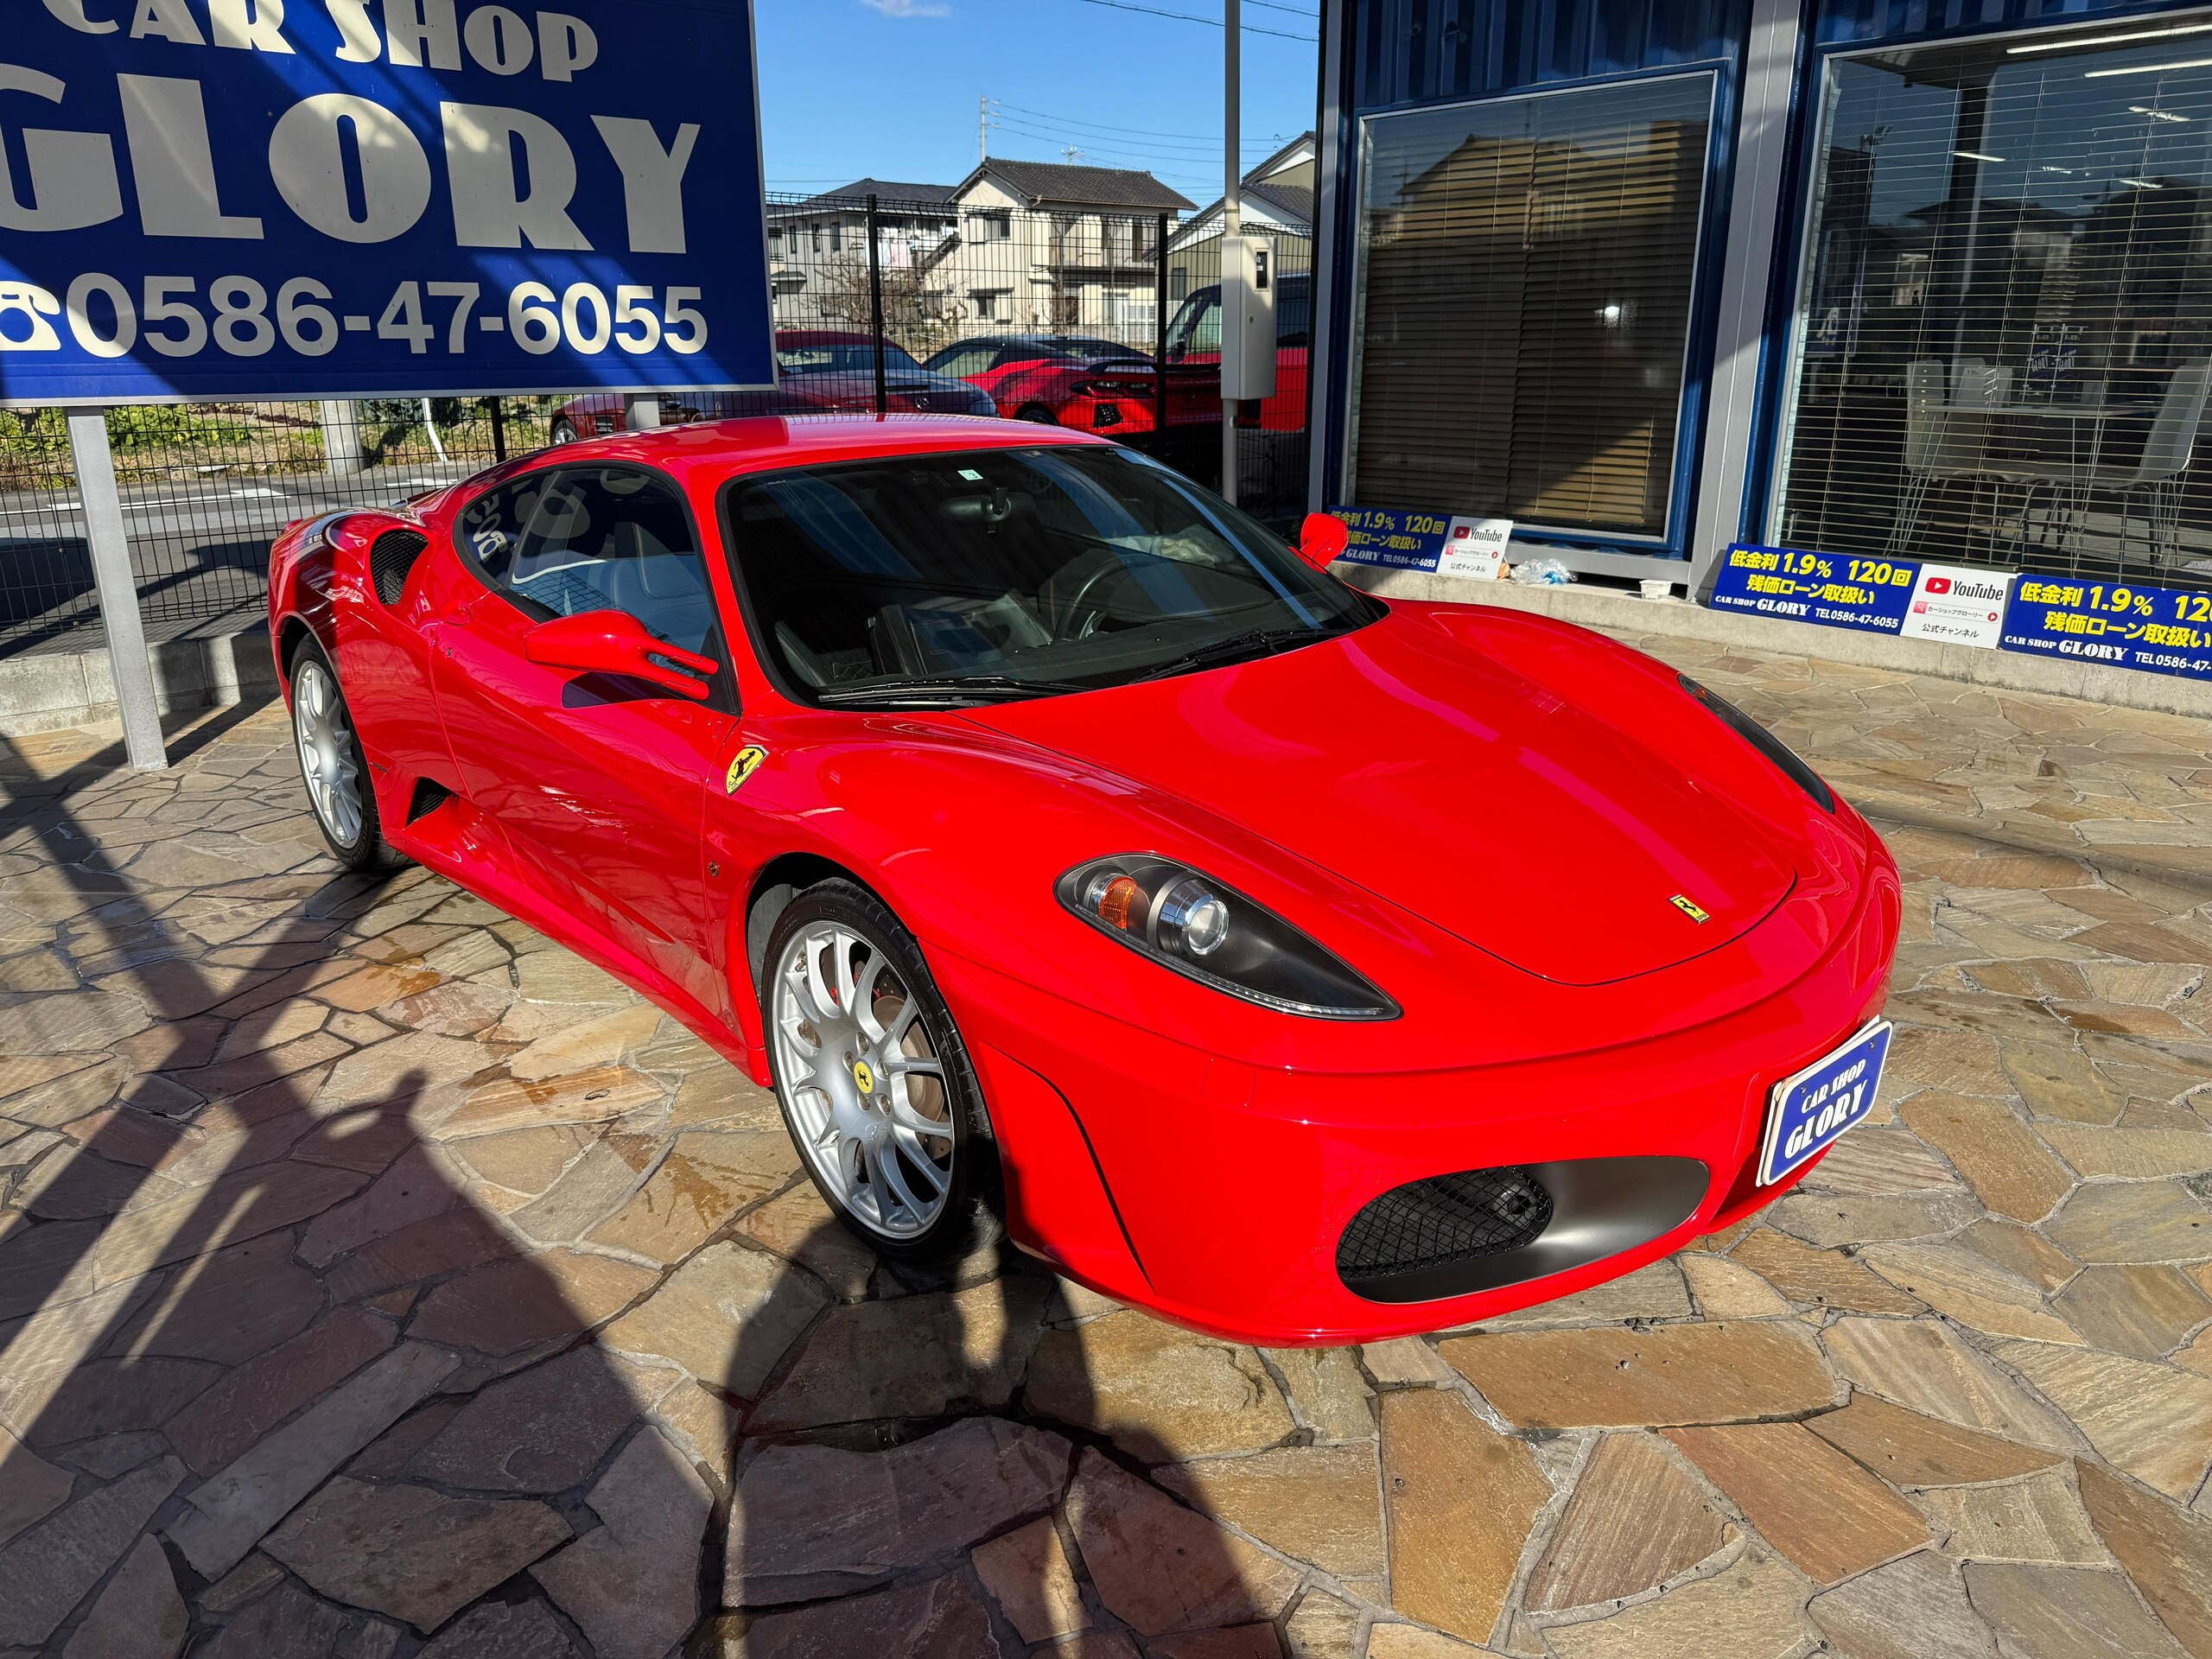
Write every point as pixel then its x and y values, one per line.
pixel 1227 1188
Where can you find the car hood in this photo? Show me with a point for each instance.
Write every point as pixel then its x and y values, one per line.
pixel 1539 828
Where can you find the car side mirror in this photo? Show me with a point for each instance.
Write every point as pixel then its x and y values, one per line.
pixel 1322 539
pixel 615 642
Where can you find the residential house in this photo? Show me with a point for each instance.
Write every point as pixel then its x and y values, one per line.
pixel 817 255
pixel 1048 246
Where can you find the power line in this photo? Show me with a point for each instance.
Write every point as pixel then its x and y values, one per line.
pixel 1107 144
pixel 1211 22
pixel 1213 138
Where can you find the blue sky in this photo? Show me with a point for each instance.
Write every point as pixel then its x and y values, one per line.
pixel 891 87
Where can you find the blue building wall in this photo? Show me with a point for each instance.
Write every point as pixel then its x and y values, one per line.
pixel 1859 22
pixel 1403 54
pixel 1437 51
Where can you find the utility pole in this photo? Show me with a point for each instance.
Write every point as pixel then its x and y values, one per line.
pixel 983 129
pixel 1231 227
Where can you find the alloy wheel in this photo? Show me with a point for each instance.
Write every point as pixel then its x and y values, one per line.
pixel 863 1080
pixel 327 753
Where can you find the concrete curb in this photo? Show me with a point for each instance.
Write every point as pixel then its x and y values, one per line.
pixel 50 691
pixel 1610 611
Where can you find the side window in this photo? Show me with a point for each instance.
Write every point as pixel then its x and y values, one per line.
pixel 969 359
pixel 595 538
pixel 490 528
pixel 1295 311
pixel 1197 327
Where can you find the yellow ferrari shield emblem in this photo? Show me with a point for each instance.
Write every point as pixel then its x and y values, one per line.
pixel 864 1076
pixel 1691 908
pixel 747 762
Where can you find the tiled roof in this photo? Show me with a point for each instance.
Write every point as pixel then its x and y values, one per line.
pixel 1100 187
pixel 888 194
pixel 1292 203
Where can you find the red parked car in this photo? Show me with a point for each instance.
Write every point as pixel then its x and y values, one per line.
pixel 1121 399
pixel 1037 377
pixel 1060 845
pixel 819 371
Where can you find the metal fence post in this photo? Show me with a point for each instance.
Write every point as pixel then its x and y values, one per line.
pixel 1159 342
pixel 875 309
pixel 128 662
pixel 1231 209
pixel 498 428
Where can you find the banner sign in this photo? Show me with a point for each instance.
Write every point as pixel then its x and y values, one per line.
pixel 1906 597
pixel 251 199
pixel 1872 596
pixel 2164 630
pixel 1440 543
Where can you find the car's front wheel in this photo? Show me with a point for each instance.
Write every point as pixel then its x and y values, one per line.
pixel 876 1084
pixel 332 765
pixel 564 431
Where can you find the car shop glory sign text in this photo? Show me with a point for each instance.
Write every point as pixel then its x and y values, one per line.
pixel 204 199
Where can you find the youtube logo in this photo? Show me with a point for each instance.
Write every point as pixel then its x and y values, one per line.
pixel 1939 585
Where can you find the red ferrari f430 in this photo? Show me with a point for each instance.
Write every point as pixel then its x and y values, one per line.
pixel 1066 850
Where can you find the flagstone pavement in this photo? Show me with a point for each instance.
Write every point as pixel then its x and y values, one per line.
pixel 376 1278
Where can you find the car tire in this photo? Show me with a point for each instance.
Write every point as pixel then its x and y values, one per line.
pixel 333 769
pixel 845 1085
pixel 1039 414
pixel 564 431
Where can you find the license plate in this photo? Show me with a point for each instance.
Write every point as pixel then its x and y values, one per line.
pixel 1809 1111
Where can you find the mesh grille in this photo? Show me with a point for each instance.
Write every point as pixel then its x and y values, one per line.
pixel 1448 1218
pixel 390 558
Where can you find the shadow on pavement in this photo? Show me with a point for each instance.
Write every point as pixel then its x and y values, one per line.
pixel 360 1296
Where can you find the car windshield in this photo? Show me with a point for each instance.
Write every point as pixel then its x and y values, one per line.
pixel 843 357
pixel 980 576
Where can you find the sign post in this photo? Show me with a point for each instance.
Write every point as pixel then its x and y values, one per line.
pixel 128 662
pixel 328 203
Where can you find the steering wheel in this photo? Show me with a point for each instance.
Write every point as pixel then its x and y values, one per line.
pixel 1075 623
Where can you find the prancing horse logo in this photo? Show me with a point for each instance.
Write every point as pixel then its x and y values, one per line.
pixel 747 763
pixel 1691 908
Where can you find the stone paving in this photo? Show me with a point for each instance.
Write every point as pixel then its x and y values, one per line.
pixel 377 1278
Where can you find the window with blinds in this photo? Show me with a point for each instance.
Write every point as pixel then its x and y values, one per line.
pixel 1527 275
pixel 2002 341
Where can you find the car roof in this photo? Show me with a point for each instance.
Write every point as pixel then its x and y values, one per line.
pixel 708 451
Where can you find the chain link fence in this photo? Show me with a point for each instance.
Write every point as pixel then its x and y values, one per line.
pixel 1106 320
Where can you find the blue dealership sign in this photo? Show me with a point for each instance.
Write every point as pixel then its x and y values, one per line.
pixel 248 198
pixel 1393 539
pixel 2164 630
pixel 1836 590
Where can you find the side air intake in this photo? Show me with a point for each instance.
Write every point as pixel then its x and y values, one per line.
pixel 429 797
pixel 391 557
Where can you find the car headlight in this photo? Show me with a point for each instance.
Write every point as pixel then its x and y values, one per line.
pixel 1189 922
pixel 1785 757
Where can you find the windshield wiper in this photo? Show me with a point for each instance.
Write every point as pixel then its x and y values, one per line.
pixel 948 688
pixel 1238 647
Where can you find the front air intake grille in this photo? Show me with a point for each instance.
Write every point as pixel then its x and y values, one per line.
pixel 391 557
pixel 1447 1219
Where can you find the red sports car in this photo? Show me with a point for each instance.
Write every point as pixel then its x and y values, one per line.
pixel 1062 847
pixel 1058 380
